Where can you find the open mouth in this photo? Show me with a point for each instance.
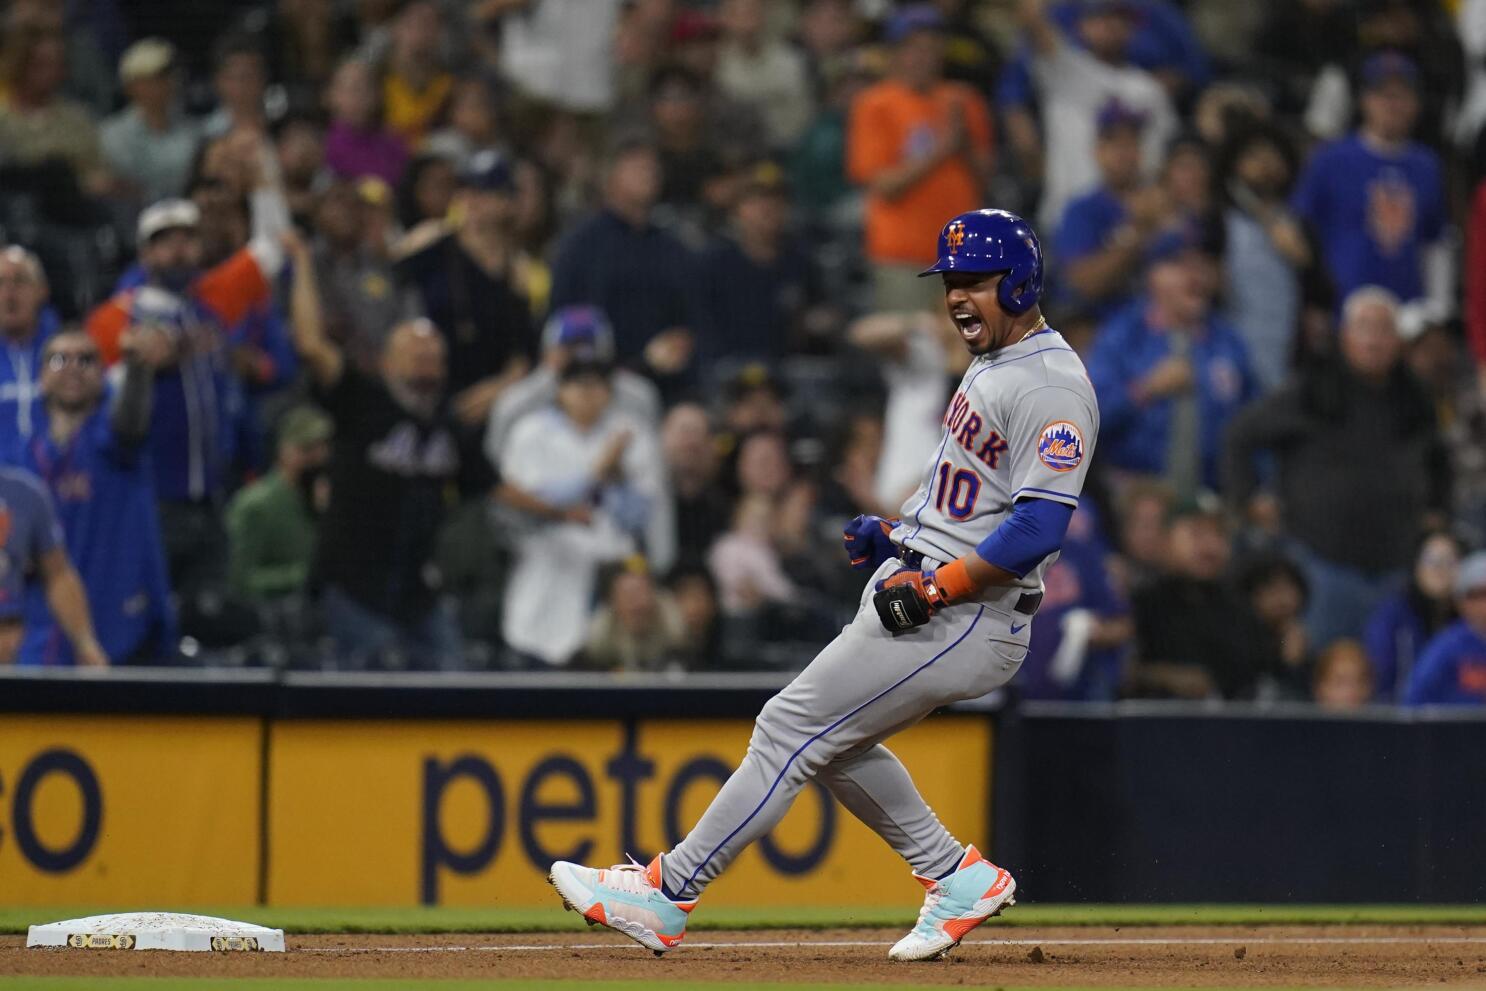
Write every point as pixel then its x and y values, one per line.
pixel 969 323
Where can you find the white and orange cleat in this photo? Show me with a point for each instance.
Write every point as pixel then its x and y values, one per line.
pixel 976 891
pixel 626 898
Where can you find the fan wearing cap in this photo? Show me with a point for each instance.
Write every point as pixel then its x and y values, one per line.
pixel 474 285
pixel 1076 81
pixel 1375 200
pixel 922 148
pixel 1105 233
pixel 588 480
pixel 571 334
pixel 1452 668
pixel 150 142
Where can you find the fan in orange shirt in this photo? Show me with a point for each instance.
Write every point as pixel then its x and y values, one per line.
pixel 923 149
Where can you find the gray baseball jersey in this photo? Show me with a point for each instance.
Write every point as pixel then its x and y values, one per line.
pixel 1022 424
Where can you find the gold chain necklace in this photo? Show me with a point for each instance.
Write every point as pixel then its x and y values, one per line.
pixel 1039 325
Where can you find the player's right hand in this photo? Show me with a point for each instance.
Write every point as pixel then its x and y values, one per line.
pixel 868 543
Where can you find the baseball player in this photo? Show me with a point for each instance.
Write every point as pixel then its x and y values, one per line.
pixel 945 616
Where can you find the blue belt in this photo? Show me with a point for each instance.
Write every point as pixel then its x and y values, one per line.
pixel 1026 605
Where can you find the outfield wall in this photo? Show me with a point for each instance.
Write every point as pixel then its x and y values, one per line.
pixel 189 788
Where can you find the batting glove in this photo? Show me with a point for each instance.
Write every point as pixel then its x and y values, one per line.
pixel 909 599
pixel 868 542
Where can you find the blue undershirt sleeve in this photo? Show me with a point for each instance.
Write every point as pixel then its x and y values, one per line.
pixel 1034 530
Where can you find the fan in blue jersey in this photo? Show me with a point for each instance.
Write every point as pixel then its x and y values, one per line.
pixel 89 454
pixel 26 324
pixel 33 561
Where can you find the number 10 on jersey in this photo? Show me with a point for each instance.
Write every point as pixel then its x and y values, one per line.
pixel 958 490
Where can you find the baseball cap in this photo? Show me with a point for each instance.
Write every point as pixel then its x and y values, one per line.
pixel 693 25
pixel 917 17
pixel 166 215
pixel 766 177
pixel 1383 66
pixel 305 425
pixel 751 378
pixel 583 329
pixel 1202 503
pixel 146 57
pixel 1125 7
pixel 1117 114
pixel 488 171
pixel 1472 574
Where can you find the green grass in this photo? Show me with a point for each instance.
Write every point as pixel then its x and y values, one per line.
pixel 444 920
pixel 271 984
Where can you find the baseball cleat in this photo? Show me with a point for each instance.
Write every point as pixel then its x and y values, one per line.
pixel 626 898
pixel 975 892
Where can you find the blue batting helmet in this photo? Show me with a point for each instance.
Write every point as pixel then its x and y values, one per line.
pixel 992 241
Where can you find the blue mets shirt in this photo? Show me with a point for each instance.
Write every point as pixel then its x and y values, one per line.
pixel 105 500
pixel 1452 669
pixel 1373 213
pixel 28 532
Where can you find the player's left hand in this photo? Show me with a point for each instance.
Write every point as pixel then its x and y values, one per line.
pixel 908 599
pixel 868 542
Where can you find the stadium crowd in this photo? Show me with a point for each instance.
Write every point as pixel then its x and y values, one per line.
pixel 519 334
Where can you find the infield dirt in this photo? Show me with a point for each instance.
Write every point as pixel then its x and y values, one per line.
pixel 1322 956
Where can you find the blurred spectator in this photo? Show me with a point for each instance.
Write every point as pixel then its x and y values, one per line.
pixel 754 400
pixel 695 594
pixel 1475 280
pixel 1264 249
pixel 1144 506
pixel 1106 234
pixel 1343 679
pixel 1298 40
pixel 745 562
pixel 639 275
pixel 702 506
pixel 1276 593
pixel 919 352
pixel 198 398
pixel 362 300
pixel 763 291
pixel 474 125
pixel 1076 651
pixel 818 162
pixel 415 83
pixel 1323 433
pixel 38 125
pixel 271 524
pixel 691 163
pixel 1075 82
pixel 848 489
pixel 1424 35
pixel 922 148
pixel 150 143
pixel 34 550
pixel 1194 634
pixel 572 334
pixel 26 324
pixel 1170 374
pixel 300 143
pixel 589 478
pixel 470 281
pixel 1405 621
pixel 89 453
pixel 240 77
pixel 763 72
pixel 357 143
pixel 560 52
pixel 426 191
pixel 638 627
pixel 1452 668
pixel 1438 360
pixel 1375 200
pixel 394 456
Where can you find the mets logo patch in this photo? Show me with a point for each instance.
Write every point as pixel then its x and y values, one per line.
pixel 1060 446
